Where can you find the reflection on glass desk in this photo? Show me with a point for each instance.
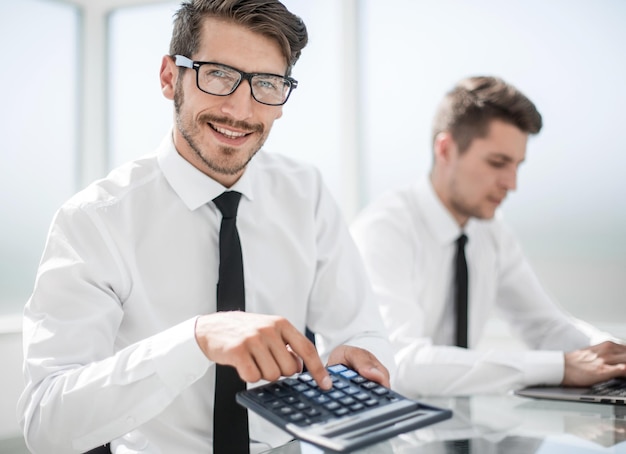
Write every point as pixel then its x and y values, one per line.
pixel 508 425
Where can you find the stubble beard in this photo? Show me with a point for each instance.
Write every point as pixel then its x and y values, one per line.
pixel 189 131
pixel 461 206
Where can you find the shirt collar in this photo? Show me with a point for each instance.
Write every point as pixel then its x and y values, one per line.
pixel 438 219
pixel 192 186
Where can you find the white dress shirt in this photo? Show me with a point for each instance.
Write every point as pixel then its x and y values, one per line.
pixel 407 239
pixel 129 264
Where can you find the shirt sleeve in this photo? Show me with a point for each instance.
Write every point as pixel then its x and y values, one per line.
pixel 387 241
pixel 82 391
pixel 533 315
pixel 342 306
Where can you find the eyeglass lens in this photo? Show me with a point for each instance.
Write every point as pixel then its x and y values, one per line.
pixel 221 80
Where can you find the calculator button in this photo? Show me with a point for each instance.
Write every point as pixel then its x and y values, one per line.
pixel 296 417
pixel 351 390
pixel 347 401
pixel 305 377
pixel 332 406
pixel 266 397
pixel 279 391
pixel 357 407
pixel 312 412
pixel 348 374
pixel 300 406
pixel 336 368
pixel 336 395
pixel 321 399
pixel 311 393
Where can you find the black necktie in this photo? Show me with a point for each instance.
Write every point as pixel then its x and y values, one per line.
pixel 230 420
pixel 460 292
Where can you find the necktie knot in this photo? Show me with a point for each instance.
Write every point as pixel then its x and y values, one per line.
pixel 227 203
pixel 461 241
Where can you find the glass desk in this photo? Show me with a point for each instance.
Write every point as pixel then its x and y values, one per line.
pixel 508 425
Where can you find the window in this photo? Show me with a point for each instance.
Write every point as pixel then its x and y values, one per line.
pixel 139 115
pixel 39 133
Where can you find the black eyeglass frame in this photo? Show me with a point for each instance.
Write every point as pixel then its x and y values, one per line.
pixel 186 62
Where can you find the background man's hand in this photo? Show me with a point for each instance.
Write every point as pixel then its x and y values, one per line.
pixel 594 364
pixel 258 346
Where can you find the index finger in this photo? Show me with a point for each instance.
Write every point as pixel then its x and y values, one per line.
pixel 308 353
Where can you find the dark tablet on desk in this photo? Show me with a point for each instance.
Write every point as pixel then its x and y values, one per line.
pixel 609 392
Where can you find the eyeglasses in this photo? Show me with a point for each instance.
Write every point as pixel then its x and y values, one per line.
pixel 222 80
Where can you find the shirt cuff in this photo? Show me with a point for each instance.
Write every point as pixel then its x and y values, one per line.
pixel 178 359
pixel 544 368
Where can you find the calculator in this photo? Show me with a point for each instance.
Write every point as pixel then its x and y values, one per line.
pixel 354 413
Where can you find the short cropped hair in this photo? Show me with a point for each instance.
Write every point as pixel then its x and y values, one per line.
pixel 270 18
pixel 468 109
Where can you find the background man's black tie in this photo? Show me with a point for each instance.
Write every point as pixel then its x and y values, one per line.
pixel 230 420
pixel 460 292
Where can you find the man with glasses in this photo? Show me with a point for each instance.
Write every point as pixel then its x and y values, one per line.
pixel 442 260
pixel 124 331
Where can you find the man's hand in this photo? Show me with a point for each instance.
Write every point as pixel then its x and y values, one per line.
pixel 258 346
pixel 595 364
pixel 361 361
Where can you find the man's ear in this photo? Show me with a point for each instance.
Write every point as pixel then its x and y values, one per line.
pixel 168 76
pixel 444 146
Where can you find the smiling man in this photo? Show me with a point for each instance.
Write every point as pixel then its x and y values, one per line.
pixel 441 260
pixel 151 308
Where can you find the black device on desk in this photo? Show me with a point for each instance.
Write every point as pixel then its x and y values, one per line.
pixel 354 413
pixel 609 392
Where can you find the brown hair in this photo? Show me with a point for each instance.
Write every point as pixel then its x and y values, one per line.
pixel 468 109
pixel 267 17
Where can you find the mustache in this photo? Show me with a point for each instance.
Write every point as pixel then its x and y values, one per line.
pixel 242 125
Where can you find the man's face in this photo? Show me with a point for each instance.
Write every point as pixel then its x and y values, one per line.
pixel 479 179
pixel 220 134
